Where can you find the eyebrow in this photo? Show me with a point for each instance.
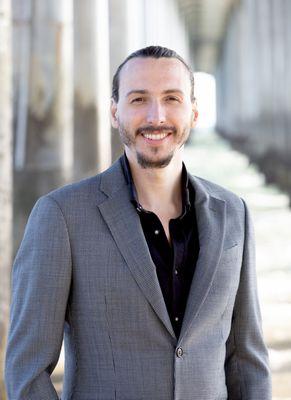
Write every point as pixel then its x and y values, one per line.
pixel 142 91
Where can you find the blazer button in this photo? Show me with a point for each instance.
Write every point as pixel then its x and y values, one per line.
pixel 179 352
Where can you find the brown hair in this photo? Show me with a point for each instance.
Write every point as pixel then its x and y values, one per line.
pixel 153 52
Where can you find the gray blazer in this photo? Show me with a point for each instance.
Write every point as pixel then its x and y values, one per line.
pixel 84 271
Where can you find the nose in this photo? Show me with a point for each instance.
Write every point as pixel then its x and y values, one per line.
pixel 156 113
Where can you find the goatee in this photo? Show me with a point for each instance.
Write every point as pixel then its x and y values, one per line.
pixel 145 162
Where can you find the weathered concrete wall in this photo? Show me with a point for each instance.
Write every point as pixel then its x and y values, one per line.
pixel 5 176
pixel 43 93
pixel 92 145
pixel 253 86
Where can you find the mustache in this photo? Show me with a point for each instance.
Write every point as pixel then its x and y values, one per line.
pixel 160 129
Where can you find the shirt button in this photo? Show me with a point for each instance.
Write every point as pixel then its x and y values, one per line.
pixel 179 352
pixel 176 272
pixel 157 232
pixel 176 319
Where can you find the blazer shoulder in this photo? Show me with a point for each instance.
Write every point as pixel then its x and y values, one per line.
pixel 91 189
pixel 221 193
pixel 77 194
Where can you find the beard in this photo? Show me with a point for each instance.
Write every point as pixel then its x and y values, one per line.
pixel 146 161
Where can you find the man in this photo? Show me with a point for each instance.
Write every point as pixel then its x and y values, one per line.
pixel 147 270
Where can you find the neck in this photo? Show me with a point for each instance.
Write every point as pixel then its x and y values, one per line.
pixel 158 189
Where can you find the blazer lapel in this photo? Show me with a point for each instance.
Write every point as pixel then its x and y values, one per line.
pixel 124 225
pixel 210 214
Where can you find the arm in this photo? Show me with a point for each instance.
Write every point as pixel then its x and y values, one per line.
pixel 246 366
pixel 40 287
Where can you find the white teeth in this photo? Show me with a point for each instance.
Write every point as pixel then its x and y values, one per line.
pixel 156 136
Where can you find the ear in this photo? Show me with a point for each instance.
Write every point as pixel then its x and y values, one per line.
pixel 113 114
pixel 195 114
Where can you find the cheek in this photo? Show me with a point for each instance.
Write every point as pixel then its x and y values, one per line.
pixel 181 119
pixel 132 118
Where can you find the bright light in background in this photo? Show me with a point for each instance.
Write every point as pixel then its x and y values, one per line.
pixel 205 93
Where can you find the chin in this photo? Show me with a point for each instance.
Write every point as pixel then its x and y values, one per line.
pixel 147 162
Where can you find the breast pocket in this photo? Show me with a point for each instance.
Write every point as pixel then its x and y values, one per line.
pixel 229 253
pixel 228 270
pixel 226 278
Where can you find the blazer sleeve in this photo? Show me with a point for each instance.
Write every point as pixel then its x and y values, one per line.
pixel 41 278
pixel 247 369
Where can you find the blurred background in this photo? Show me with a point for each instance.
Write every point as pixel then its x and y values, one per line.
pixel 57 59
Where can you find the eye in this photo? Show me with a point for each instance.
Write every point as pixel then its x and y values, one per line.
pixel 172 99
pixel 137 100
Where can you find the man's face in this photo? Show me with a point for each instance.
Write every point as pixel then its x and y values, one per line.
pixel 154 113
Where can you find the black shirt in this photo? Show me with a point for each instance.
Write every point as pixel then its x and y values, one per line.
pixel 175 264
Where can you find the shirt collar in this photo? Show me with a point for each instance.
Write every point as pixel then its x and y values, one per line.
pixel 186 204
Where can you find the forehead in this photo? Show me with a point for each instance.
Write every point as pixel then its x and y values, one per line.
pixel 154 75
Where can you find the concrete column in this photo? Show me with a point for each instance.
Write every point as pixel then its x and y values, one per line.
pixel 230 82
pixel 278 84
pixel 5 176
pixel 287 78
pixel 226 75
pixel 272 65
pixel 242 97
pixel 219 78
pixel 264 68
pixel 164 25
pixel 103 84
pixel 92 143
pixel 239 73
pixel 127 34
pixel 47 155
pixel 249 76
pixel 287 92
pixel 284 106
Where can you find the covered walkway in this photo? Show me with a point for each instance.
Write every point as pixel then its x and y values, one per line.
pixel 57 59
pixel 212 158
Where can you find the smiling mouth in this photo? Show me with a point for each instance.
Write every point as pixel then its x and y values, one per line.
pixel 155 136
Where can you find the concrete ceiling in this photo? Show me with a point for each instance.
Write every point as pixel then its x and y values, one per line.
pixel 206 21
